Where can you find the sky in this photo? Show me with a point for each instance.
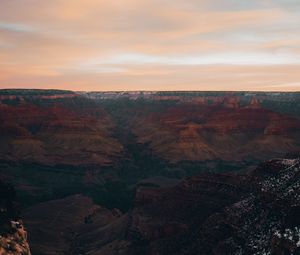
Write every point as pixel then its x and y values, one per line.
pixel 107 45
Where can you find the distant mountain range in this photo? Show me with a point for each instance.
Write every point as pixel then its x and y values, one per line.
pixel 63 127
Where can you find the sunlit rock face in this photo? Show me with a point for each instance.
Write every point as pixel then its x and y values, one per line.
pixel 13 237
pixel 15 242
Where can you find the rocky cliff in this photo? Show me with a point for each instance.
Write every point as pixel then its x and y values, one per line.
pixel 75 225
pixel 67 128
pixel 13 237
pixel 55 133
pixel 253 213
pixel 225 131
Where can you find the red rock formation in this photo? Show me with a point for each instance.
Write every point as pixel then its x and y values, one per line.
pixel 232 102
pixel 56 135
pixel 228 132
pixel 254 104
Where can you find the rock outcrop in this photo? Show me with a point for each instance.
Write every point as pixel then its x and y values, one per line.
pixel 56 134
pixel 15 241
pixel 226 132
pixel 252 213
pixel 75 225
pixel 13 237
pixel 255 212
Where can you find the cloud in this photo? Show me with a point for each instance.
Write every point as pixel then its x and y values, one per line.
pixel 14 27
pixel 206 77
pixel 56 43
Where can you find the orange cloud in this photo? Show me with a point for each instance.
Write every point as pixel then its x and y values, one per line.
pixel 149 44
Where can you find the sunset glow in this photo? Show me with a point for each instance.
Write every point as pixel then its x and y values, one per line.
pixel 150 44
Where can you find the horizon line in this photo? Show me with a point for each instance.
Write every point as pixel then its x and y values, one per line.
pixel 119 91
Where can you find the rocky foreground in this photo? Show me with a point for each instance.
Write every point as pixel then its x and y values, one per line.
pixel 13 237
pixel 252 213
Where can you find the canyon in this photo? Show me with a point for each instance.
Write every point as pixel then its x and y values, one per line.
pixel 153 172
pixel 251 213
